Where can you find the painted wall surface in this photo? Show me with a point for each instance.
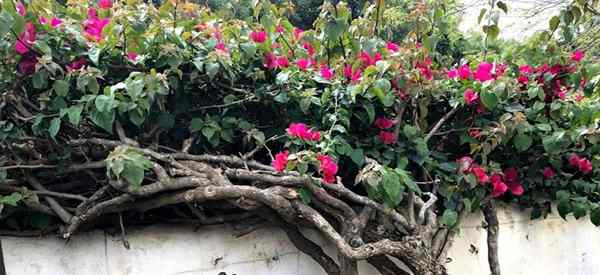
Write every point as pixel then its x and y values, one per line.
pixel 548 247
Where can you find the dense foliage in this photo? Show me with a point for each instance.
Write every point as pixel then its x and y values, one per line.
pixel 388 104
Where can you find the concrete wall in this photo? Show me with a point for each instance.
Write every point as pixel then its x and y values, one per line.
pixel 549 247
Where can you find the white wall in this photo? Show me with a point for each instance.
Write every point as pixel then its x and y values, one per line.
pixel 549 247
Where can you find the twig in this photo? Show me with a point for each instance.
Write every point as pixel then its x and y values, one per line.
pixel 426 206
pixel 243 100
pixel 489 213
pixel 56 207
pixel 123 233
pixel 439 124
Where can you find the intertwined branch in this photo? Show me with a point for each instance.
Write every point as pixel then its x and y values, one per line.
pixel 354 223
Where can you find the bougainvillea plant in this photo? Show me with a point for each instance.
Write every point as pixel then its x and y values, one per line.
pixel 120 111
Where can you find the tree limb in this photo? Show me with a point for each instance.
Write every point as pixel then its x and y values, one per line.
pixel 489 213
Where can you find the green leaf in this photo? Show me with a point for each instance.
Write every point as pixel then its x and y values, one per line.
pixel 595 216
pixel 305 195
pixel 392 189
pixel 370 111
pixel 449 218
pixel 564 208
pixel 481 14
pixel 334 28
pixel 410 131
pixel 554 21
pixel 383 84
pixel 133 173
pixel 492 31
pixel 502 6
pixel 489 99
pixel 522 142
pixel 94 55
pixel 248 48
pixel 212 69
pixel 104 103
pixel 103 119
pixel 358 157
pixel 579 210
pixel 196 124
pixel 562 195
pixel 74 114
pixel 61 87
pixel 54 127
pixel 11 199
pixel 6 22
pixel 19 24
pixel 134 87
pixel 208 132
pixel 39 79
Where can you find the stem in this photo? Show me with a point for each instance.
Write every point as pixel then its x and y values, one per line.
pixel 489 213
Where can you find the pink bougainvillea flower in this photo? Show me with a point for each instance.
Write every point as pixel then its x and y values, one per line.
pixel 21 8
pixel 525 69
pixel 258 36
pixel 26 39
pixel 474 133
pixel 516 188
pixel 500 69
pixel 55 22
pixel 465 163
pixel 464 72
pixel 76 64
pixel 280 161
pixel 387 137
pixel 298 33
pixel 453 73
pixel 480 173
pixel 282 62
pixel 585 166
pixel 270 61
pixel 511 181
pixel 511 174
pixel 105 4
pixel 556 69
pixel 279 29
pixel 368 60
pixel 418 45
pixel 273 62
pixel 498 186
pixel 220 47
pixel 577 55
pixel 328 168
pixel 301 130
pixel 523 79
pixel 574 160
pixel 132 56
pixel 216 33
pixel 425 68
pixel 326 72
pixel 579 97
pixel 93 26
pixel 43 20
pixel 548 173
pixel 353 76
pixel 560 93
pixel 384 123
pixel 470 96
pixel 303 63
pixel 483 72
pixel 392 47
pixel 27 63
pixel 309 48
